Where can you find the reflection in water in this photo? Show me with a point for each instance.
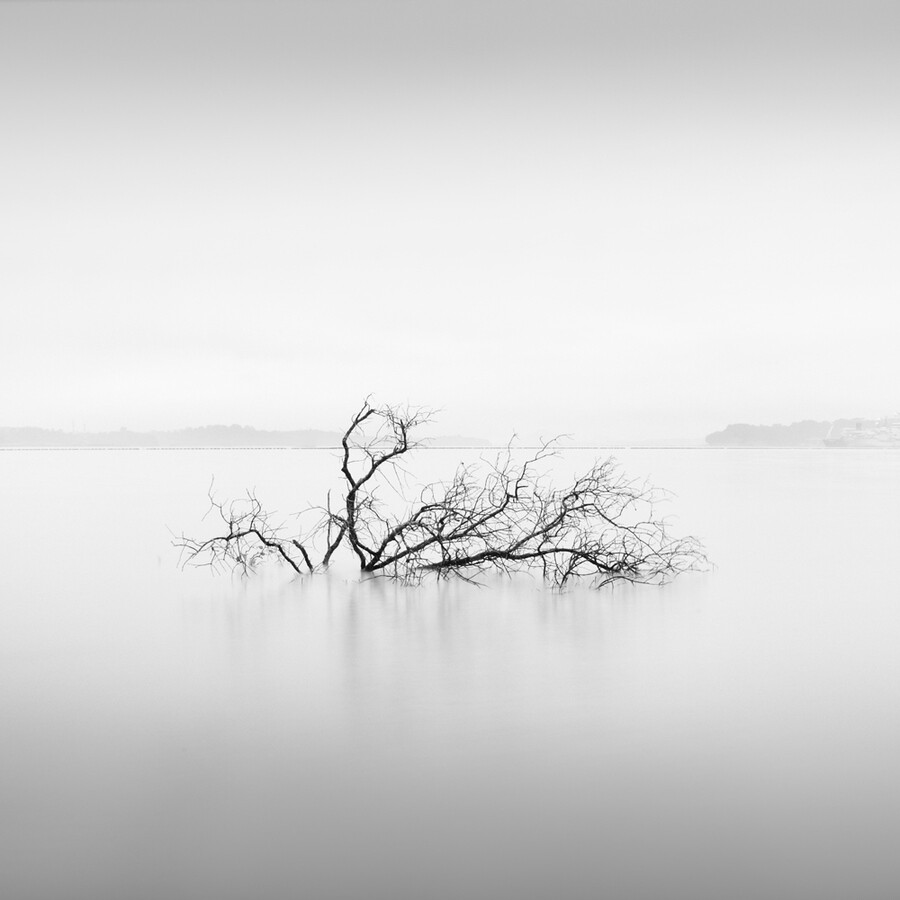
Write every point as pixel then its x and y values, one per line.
pixel 171 735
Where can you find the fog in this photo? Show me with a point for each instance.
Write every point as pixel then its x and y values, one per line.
pixel 616 220
pixel 175 734
pixel 620 221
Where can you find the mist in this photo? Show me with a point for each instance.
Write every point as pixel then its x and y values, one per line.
pixel 612 220
pixel 255 256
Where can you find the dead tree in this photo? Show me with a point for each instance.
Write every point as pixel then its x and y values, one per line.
pixel 505 517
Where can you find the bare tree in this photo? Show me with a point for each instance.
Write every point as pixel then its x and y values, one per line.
pixel 507 518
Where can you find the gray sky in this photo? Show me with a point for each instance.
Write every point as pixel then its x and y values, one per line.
pixel 621 219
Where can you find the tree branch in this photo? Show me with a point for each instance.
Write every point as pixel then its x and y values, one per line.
pixel 507 517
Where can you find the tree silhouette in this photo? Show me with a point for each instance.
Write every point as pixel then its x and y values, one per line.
pixel 504 516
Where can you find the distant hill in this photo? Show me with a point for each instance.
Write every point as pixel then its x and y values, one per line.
pixel 206 436
pixel 807 433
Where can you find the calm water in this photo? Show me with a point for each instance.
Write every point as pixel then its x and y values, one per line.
pixel 173 735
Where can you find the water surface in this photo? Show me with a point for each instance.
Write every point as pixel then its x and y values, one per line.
pixel 170 734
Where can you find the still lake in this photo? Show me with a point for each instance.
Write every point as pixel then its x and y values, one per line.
pixel 169 734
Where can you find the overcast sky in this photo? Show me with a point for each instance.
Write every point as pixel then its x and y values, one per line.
pixel 622 219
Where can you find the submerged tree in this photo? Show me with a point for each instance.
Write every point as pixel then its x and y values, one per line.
pixel 505 516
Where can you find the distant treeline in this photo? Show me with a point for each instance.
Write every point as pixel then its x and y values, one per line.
pixel 206 436
pixel 798 434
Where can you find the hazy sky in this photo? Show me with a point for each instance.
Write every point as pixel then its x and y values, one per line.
pixel 613 219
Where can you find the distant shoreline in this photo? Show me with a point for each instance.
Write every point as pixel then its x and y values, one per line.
pixel 208 436
pixel 806 434
pixel 87 448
